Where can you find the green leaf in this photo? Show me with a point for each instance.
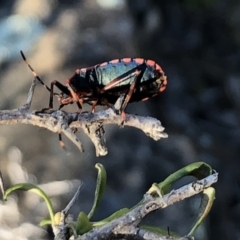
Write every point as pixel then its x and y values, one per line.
pixel 100 187
pixel 45 222
pixel 83 224
pixel 35 189
pixel 205 207
pixel 160 231
pixel 198 169
pixel 115 215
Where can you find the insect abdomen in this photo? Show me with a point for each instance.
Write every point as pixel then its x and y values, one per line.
pixel 108 71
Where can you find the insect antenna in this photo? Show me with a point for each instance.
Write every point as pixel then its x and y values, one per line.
pixel 34 73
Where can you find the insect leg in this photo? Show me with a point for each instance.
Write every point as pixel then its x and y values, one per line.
pixel 94 104
pixel 105 102
pixel 130 92
pixel 61 143
pixel 61 87
pixel 78 100
pixel 79 106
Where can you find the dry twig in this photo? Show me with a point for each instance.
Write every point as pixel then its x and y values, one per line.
pixel 92 124
pixel 127 226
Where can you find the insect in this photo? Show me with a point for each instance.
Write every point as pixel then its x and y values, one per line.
pixel 136 79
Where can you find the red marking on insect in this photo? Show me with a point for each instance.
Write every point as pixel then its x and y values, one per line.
pixel 158 67
pixel 165 82
pixel 126 60
pixel 114 61
pixel 139 60
pixel 151 63
pixel 145 99
pixel 103 64
pixel 162 88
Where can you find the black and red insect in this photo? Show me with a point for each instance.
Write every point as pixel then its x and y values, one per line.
pixel 134 78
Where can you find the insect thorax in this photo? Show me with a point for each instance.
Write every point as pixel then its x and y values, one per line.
pixel 82 80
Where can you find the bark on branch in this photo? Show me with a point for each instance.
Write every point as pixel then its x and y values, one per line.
pixel 91 123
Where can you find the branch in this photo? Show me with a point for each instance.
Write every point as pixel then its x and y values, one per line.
pixel 127 226
pixel 91 123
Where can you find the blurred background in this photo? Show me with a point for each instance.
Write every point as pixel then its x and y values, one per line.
pixel 197 44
